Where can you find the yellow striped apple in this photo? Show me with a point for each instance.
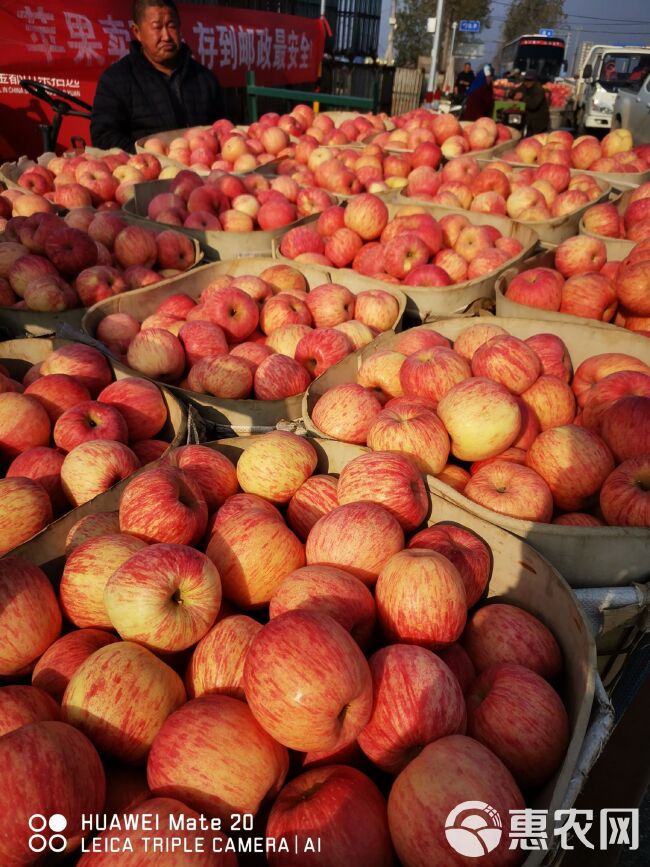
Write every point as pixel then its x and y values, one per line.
pixel 93 467
pixel 140 403
pixel 217 663
pixel 597 367
pixel 276 466
pixel 510 489
pixel 313 499
pixel 625 494
pixel 508 361
pixel 213 472
pixel 413 430
pixel 21 705
pixel 25 509
pixel 345 412
pixel 62 658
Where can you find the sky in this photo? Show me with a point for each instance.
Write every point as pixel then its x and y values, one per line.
pixel 611 29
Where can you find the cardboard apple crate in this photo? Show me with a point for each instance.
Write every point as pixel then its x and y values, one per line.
pixel 218 245
pixel 552 231
pixel 585 556
pixel 520 577
pixel 424 302
pixel 243 417
pixel 34 323
pixel 507 307
pixel 617 248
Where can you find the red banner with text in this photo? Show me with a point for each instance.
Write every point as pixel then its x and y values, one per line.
pixel 67 44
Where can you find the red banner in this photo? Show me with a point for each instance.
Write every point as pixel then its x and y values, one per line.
pixel 67 44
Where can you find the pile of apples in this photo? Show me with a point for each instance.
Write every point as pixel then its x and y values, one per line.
pixel 226 202
pixel 412 248
pixel 347 171
pixel 265 337
pixel 233 149
pixel 615 153
pixel 343 680
pixel 454 139
pixel 68 432
pixel 51 264
pixel 560 93
pixel 584 283
pixel 526 195
pixel 81 181
pixel 533 439
pixel 633 224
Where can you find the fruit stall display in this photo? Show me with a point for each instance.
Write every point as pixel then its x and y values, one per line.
pixel 581 283
pixel 52 267
pixel 562 459
pixel 615 158
pixel 551 198
pixel 242 340
pixel 441 704
pixel 442 261
pixel 622 223
pixel 72 424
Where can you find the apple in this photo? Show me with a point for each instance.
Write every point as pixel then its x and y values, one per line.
pixel 417 701
pixel 579 255
pixel 551 402
pixel 304 808
pixel 25 509
pixel 202 339
pixel 553 354
pixel 217 663
pixel 432 373
pixel 93 467
pixel 120 697
pixel 24 269
pixel 481 417
pixel 367 215
pixel 42 465
pixel 414 431
pixel 609 390
pixel 86 574
pixel 625 427
pixel 456 658
pixel 284 278
pixel 358 333
pixel 454 476
pixel 321 348
pixel 380 372
pixel 212 473
pixel 406 580
pixel 404 253
pixel 288 460
pixel 24 424
pixel 469 553
pixel 148 451
pixel 22 705
pixel 631 286
pixel 578 519
pixel 135 245
pixel 283 309
pixel 469 339
pixel 330 304
pixel 313 499
pixel 589 295
pixel 287 661
pixel 253 551
pixel 377 309
pixel 165 597
pixel 87 422
pixel 225 376
pixel 140 403
pixel 278 377
pixel 597 367
pixel 164 505
pixel 30 617
pixel 62 658
pixel 84 363
pixel 90 526
pixel 625 494
pixel 508 361
pixel 328 590
pixel 537 287
pixel 285 339
pixel 602 219
pixel 157 354
pixel 499 633
pixel 345 412
pixel 520 717
pixel 54 748
pixel 511 489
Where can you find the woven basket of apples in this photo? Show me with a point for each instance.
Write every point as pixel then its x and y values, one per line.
pixel 414 707
pixel 52 268
pixel 540 428
pixel 614 159
pixel 620 224
pixel 231 216
pixel 442 261
pixel 579 283
pixel 551 198
pixel 242 340
pixel 72 424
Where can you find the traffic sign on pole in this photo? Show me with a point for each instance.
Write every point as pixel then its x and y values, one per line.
pixel 469 26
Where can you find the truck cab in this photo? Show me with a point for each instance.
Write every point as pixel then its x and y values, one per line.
pixel 608 68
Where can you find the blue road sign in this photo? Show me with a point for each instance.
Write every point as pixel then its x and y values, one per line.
pixel 544 31
pixel 469 26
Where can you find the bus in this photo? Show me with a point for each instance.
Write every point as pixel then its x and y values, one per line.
pixel 541 54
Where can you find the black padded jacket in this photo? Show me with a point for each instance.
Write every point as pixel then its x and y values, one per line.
pixel 133 99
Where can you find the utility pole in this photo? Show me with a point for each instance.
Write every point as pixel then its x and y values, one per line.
pixel 392 21
pixel 433 72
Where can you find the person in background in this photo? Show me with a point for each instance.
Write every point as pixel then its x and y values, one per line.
pixel 480 97
pixel 640 71
pixel 464 80
pixel 537 115
pixel 158 86
pixel 609 72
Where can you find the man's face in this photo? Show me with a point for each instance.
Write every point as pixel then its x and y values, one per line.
pixel 159 35
pixel 528 83
pixel 467 67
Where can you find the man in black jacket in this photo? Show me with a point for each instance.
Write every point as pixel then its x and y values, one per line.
pixel 156 87
pixel 537 115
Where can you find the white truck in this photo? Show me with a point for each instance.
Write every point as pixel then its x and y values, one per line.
pixel 607 68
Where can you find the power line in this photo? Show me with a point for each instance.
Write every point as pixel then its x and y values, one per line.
pixel 585 17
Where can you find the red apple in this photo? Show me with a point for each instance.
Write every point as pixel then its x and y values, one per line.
pixel 95 466
pixel 42 465
pixel 25 509
pixel 345 412
pixel 62 658
pixel 625 427
pixel 83 363
pixel 625 494
pixel 511 489
pixel 217 663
